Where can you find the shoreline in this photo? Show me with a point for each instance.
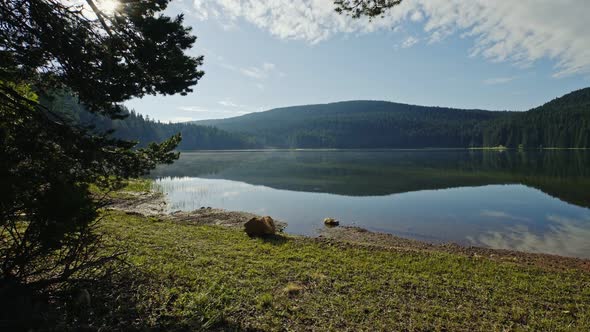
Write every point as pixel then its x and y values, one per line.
pixel 434 149
pixel 154 204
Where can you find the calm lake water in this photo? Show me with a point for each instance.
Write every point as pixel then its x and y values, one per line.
pixel 535 201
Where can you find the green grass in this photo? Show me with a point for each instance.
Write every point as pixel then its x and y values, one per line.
pixel 491 148
pixel 128 186
pixel 137 185
pixel 188 277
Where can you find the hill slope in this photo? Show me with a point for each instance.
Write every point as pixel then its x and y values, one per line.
pixel 563 122
pixel 362 124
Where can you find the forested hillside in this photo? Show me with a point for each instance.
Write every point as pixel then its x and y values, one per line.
pixel 363 124
pixel 136 127
pixel 563 122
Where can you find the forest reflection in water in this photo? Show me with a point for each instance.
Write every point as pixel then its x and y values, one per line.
pixel 533 201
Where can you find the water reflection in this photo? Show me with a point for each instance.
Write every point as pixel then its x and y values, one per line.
pixel 526 201
pixel 502 215
pixel 565 236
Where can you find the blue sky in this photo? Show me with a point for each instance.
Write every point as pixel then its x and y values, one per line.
pixel 497 55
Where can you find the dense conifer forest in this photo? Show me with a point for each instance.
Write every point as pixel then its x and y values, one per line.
pixel 362 124
pixel 561 123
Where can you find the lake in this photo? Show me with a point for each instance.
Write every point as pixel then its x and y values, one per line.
pixel 535 201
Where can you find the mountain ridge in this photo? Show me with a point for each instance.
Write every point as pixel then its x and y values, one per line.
pixel 387 124
pixel 342 102
pixel 361 124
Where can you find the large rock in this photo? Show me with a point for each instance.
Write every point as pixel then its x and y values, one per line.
pixel 260 226
pixel 331 222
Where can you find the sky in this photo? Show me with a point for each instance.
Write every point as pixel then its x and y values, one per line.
pixel 494 55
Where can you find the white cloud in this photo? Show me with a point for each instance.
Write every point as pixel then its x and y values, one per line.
pixel 199 109
pixel 268 66
pixel 226 108
pixel 409 42
pixel 417 16
pixel 520 32
pixel 256 72
pixel 228 103
pixel 253 72
pixel 202 113
pixel 180 119
pixel 259 73
pixel 498 80
pixel 193 109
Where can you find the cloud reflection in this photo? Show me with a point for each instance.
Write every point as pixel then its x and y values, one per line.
pixel 563 236
pixel 502 215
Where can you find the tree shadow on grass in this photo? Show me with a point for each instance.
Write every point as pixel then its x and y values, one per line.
pixel 126 301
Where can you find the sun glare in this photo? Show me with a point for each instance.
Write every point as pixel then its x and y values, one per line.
pixel 108 6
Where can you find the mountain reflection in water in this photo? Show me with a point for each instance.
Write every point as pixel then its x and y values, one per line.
pixel 533 201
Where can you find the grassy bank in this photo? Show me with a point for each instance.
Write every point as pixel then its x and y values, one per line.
pixel 179 276
pixel 183 276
